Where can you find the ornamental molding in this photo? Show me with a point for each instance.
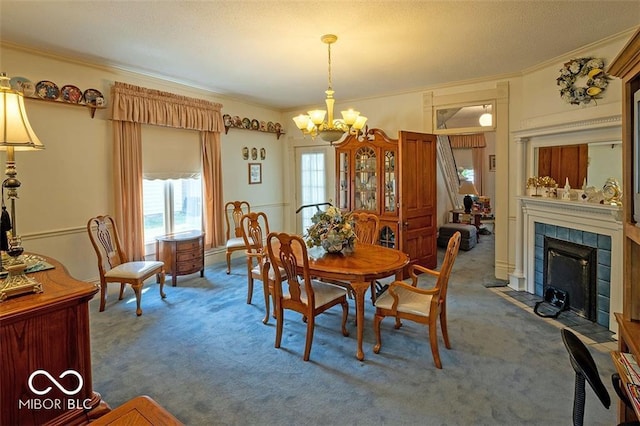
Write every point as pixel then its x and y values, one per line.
pixel 570 127
pixel 576 209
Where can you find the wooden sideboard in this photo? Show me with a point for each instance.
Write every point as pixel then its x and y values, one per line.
pixel 45 336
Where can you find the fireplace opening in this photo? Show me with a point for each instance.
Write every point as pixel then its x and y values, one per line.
pixel 572 268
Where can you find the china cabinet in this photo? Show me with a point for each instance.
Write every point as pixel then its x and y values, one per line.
pixel 396 180
pixel 626 66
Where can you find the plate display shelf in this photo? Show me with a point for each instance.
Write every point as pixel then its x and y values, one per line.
pixel 92 108
pixel 278 133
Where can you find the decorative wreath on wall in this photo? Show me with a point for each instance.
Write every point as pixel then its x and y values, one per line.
pixel 596 80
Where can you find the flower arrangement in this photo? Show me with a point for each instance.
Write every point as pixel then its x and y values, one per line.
pixel 541 182
pixel 597 80
pixel 330 230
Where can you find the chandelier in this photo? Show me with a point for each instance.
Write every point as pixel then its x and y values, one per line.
pixel 313 123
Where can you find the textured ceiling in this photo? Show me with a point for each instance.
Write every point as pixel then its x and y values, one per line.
pixel 270 52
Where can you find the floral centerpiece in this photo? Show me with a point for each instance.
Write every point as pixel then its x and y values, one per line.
pixel 546 182
pixel 331 231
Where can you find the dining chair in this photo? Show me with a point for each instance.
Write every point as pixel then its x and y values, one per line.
pixel 424 306
pixel 113 263
pixel 297 291
pixel 255 228
pixel 367 227
pixel 234 210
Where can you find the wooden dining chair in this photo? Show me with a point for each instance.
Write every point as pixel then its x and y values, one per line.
pixel 113 263
pixel 424 306
pixel 367 228
pixel 233 212
pixel 297 291
pixel 255 228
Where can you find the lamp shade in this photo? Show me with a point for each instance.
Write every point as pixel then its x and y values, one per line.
pixel 15 130
pixel 486 119
pixel 467 188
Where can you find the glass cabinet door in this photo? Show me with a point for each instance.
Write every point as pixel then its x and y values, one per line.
pixel 343 181
pixel 389 181
pixel 387 237
pixel 366 184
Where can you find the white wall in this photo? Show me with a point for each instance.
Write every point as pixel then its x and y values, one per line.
pixel 71 179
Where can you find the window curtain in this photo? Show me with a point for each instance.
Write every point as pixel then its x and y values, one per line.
pixel 212 187
pixel 134 105
pixel 477 143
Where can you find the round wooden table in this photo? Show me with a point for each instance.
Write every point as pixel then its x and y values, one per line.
pixel 366 263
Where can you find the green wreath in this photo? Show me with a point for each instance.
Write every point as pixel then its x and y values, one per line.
pixel 597 80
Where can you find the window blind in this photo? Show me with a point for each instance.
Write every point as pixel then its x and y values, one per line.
pixel 170 153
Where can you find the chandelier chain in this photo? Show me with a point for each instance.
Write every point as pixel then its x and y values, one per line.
pixel 329 50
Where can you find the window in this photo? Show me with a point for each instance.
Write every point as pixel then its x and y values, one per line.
pixel 172 185
pixel 313 184
pixel 171 205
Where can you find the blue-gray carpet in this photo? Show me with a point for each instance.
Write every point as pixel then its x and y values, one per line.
pixel 205 355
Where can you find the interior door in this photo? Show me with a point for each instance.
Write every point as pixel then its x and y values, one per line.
pixel 418 197
pixel 315 181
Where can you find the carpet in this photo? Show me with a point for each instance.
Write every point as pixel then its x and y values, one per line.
pixel 204 354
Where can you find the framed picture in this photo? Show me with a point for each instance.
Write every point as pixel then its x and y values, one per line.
pixel 492 163
pixel 255 173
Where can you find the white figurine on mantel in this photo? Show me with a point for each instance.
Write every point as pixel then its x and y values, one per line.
pixel 566 194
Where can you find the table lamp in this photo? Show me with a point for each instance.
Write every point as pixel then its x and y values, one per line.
pixel 467 188
pixel 16 134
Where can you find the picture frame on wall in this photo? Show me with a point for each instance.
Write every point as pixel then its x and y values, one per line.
pixel 255 173
pixel 492 163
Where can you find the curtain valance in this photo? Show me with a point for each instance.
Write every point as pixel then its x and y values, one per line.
pixel 475 140
pixel 148 106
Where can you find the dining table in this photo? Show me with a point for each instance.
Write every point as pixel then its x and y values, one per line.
pixel 358 266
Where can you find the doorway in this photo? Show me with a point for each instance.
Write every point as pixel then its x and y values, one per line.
pixel 315 179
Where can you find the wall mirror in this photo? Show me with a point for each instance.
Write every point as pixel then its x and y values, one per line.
pixel 595 161
pixel 458 119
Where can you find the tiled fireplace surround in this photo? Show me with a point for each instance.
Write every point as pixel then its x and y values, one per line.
pixel 590 224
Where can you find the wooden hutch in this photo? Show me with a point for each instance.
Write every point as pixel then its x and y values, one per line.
pixel 396 180
pixel 627 67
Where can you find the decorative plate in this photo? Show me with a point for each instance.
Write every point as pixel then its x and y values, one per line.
pixel 263 153
pixel 254 153
pixel 91 95
pixel 271 127
pixel 71 93
pixel 23 85
pixel 246 123
pixel 47 90
pixel 278 127
pixel 227 120
pixel 263 126
pixel 236 121
pixel 255 124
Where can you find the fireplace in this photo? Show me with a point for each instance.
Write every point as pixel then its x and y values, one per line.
pixel 584 224
pixel 572 268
